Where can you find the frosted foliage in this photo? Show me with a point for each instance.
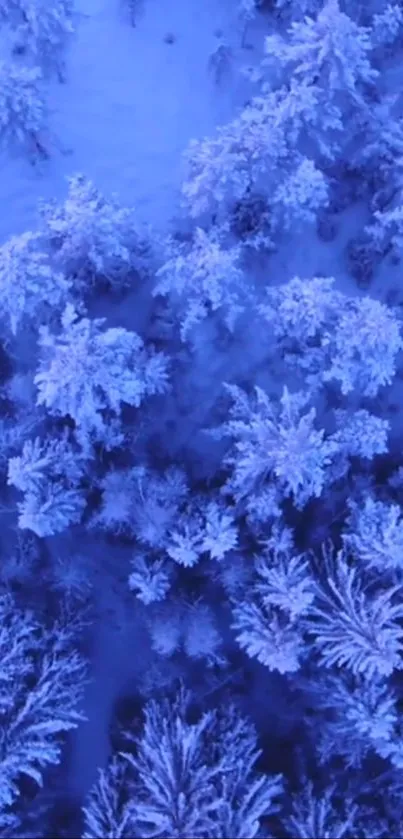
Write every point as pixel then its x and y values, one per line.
pixel 220 170
pixel 49 473
pixel 299 197
pixel 42 461
pixel 387 25
pixel 220 535
pixel 165 629
pixel 331 50
pixel 361 434
pixel 376 534
pixel 332 336
pixel 185 544
pixel 141 502
pixel 29 287
pixel 380 153
pixel 295 9
pixel 264 634
pixel 18 639
pixel 92 236
pixel 203 527
pixel 22 108
pixel 198 779
pixel 52 510
pixel 72 578
pixel 117 499
pixel 319 817
pixel 245 796
pixel 386 231
pixel 265 506
pixel 176 795
pixel 107 812
pixel 12 436
pixel 175 626
pixel 201 639
pixel 360 716
pixel 150 579
pixel 277 442
pixel 355 716
pixel 302 114
pixel 44 31
pixel 258 150
pixel 356 628
pixel 268 627
pixel 285 582
pixel 367 340
pixel 205 278
pixel 300 309
pixel 86 370
pixel 156 502
pixel 41 684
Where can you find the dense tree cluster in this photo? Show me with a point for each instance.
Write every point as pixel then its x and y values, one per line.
pixel 273 577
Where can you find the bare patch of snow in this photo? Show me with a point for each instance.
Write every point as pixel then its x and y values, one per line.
pixel 132 101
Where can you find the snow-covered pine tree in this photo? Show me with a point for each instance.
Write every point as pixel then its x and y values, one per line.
pixel 198 778
pixel 318 815
pixel 201 638
pixel 332 336
pixel 222 169
pixel 378 155
pixel 386 230
pixel 203 278
pixel 299 196
pixel 354 624
pixel 42 33
pixel 307 120
pixel 22 109
pixel 141 503
pixel 375 535
pixel 365 346
pixel 93 238
pixel 387 26
pixel 299 310
pixel 30 289
pixel 195 779
pixel 275 443
pixel 107 810
pixel 86 371
pixel 258 151
pixel 360 434
pixel 220 531
pixel 266 617
pixel 185 544
pixel 42 460
pixel 41 687
pixel 350 717
pixel 331 51
pixel 150 578
pixel 49 473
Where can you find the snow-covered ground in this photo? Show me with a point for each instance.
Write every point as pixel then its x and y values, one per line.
pixel 130 105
